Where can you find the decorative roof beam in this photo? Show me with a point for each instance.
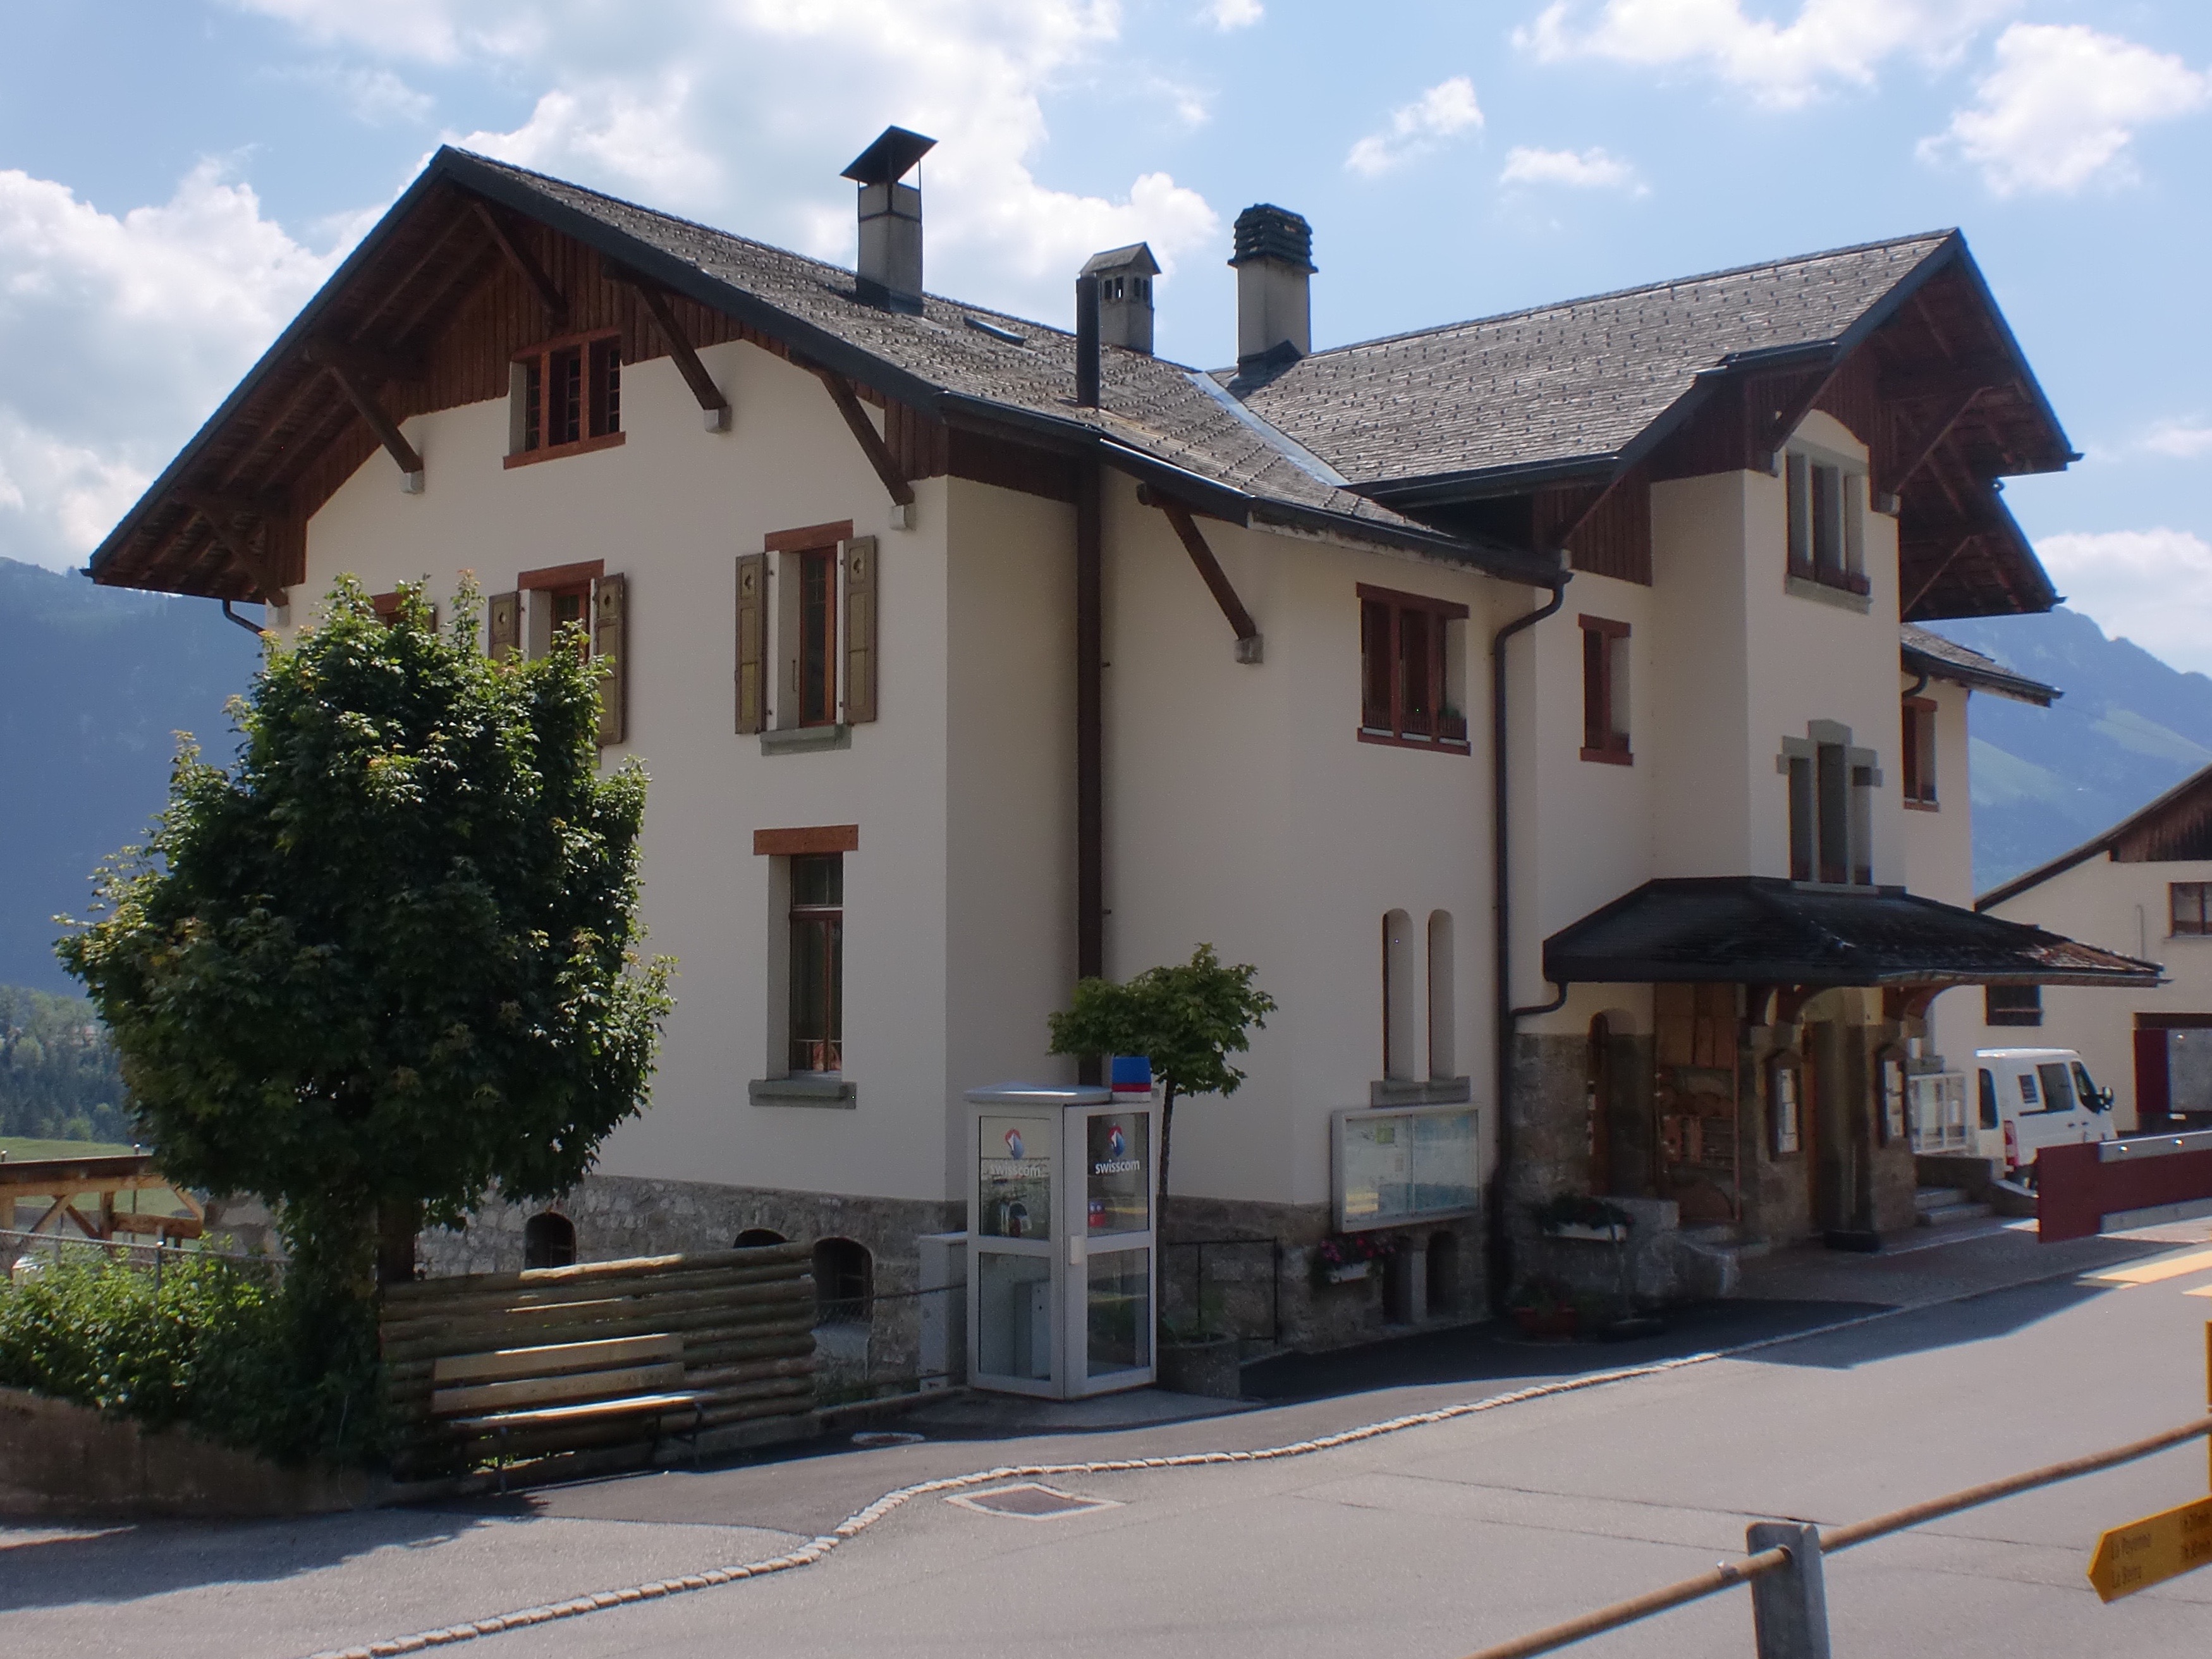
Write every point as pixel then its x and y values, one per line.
pixel 1249 646
pixel 865 433
pixel 1941 568
pixel 222 514
pixel 713 403
pixel 354 370
pixel 1938 429
pixel 509 243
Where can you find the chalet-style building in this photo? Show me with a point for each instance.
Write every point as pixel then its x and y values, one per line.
pixel 1525 697
pixel 2144 886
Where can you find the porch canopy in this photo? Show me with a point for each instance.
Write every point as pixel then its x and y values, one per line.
pixel 1765 930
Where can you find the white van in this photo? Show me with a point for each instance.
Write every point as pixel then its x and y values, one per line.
pixel 2029 1098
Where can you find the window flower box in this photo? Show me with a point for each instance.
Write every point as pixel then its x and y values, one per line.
pixel 1343 1273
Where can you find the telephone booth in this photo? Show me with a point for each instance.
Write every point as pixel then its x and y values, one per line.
pixel 1063 1272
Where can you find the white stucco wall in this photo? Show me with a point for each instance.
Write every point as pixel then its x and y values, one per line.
pixel 1243 811
pixel 671 509
pixel 2121 907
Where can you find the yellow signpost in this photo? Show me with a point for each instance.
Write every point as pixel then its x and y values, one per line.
pixel 2159 1546
pixel 2153 1550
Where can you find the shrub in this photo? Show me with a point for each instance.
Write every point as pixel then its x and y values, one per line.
pixel 266 1366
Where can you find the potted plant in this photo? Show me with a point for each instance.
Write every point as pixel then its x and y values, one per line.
pixel 1197 1357
pixel 1544 1308
pixel 1341 1258
pixel 1575 1215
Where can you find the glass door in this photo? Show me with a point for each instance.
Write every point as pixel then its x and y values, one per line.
pixel 1111 1298
pixel 1014 1345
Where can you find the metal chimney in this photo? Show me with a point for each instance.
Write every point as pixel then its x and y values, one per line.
pixel 1124 294
pixel 889 270
pixel 1086 340
pixel 1273 260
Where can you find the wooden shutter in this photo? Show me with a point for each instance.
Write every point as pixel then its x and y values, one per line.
pixel 859 629
pixel 504 626
pixel 752 643
pixel 610 640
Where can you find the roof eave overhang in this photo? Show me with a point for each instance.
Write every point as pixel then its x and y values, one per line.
pixel 2017 687
pixel 1640 971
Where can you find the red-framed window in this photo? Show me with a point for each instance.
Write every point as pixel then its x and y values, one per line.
pixel 568 396
pixel 1605 690
pixel 1916 748
pixel 1405 695
pixel 817 961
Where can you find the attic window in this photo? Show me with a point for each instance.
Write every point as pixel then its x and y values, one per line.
pixel 564 397
pixel 1826 505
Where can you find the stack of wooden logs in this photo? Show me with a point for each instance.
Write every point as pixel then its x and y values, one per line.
pixel 745 1319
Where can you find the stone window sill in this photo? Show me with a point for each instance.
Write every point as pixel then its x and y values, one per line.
pixel 832 1091
pixel 798 739
pixel 1436 1091
pixel 1843 598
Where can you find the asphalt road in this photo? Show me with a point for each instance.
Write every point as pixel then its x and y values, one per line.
pixel 1433 1541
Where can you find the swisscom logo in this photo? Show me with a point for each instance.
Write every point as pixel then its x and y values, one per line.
pixel 1117 1144
pixel 1014 1143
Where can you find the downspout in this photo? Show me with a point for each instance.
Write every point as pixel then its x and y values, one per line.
pixel 229 614
pixel 1500 1253
pixel 1090 736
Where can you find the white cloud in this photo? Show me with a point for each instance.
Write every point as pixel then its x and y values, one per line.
pixel 1443 112
pixel 1227 14
pixel 2178 440
pixel 2061 105
pixel 717 112
pixel 1783 64
pixel 120 335
pixel 2153 585
pixel 1588 169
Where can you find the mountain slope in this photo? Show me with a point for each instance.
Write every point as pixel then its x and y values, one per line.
pixel 94 683
pixel 2045 779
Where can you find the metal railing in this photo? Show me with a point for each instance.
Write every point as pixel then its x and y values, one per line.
pixel 1241 1297
pixel 889 1342
pixel 1788 1599
pixel 22 1252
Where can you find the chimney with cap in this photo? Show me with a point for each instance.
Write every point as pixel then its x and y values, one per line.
pixel 1124 294
pixel 1273 259
pixel 890 272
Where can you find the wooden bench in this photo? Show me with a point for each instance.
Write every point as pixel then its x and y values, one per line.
pixel 537 1393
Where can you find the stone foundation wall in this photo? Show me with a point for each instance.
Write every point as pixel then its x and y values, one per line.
pixel 1435 1277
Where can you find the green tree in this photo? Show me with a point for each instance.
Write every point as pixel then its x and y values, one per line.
pixel 1187 1017
pixel 387 961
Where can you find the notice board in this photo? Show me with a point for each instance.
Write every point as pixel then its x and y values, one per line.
pixel 1395 1166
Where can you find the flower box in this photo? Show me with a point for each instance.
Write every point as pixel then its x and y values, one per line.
pixel 1611 1233
pixel 1343 1273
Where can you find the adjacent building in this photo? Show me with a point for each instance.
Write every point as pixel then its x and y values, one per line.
pixel 1526 697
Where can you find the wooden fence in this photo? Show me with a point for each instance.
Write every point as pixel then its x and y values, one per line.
pixel 738 1322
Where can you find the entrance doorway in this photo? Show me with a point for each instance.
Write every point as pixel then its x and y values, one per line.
pixel 1838 1126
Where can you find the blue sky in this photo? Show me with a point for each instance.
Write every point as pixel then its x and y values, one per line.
pixel 176 177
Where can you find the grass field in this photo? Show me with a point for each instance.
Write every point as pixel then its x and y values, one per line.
pixel 17 1148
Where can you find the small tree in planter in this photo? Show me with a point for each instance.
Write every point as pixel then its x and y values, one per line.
pixel 389 959
pixel 1187 1017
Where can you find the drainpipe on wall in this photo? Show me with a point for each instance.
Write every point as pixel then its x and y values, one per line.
pixel 1089 736
pixel 1500 1253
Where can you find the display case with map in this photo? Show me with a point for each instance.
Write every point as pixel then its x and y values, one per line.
pixel 1390 1167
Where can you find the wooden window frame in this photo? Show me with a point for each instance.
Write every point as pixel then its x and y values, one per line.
pixel 2027 1011
pixel 828 919
pixel 1803 538
pixel 600 374
pixel 1450 735
pixel 1916 754
pixel 1601 713
pixel 2199 893
pixel 551 584
pixel 815 661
